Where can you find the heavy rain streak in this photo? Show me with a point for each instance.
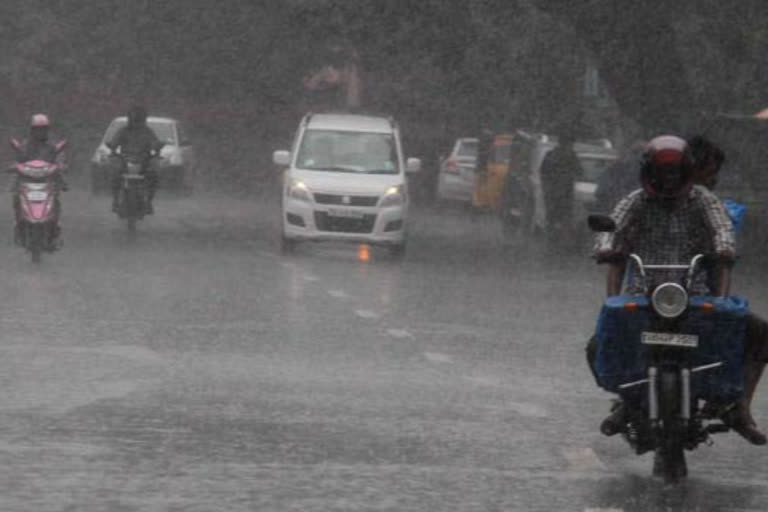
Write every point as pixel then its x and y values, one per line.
pixel 334 255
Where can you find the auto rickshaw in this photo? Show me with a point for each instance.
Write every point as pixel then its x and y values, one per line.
pixel 493 164
pixel 503 184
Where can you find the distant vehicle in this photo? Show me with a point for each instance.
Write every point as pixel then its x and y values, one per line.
pixel 133 198
pixel 174 166
pixel 37 188
pixel 345 181
pixel 456 175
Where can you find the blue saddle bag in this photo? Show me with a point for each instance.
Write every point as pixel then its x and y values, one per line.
pixel 621 357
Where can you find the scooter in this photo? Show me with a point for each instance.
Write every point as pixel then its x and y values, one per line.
pixel 38 183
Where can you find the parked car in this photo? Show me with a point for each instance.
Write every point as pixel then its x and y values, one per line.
pixel 174 167
pixel 456 174
pixel 345 181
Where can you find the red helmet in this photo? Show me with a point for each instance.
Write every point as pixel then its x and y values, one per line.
pixel 667 167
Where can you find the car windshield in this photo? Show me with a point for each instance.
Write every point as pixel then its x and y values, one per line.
pixel 342 151
pixel 593 167
pixel 468 149
pixel 163 130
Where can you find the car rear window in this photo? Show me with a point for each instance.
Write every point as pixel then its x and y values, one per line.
pixel 467 149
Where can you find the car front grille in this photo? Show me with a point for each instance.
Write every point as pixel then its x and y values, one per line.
pixel 325 222
pixel 351 201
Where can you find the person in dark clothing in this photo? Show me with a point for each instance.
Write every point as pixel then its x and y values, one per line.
pixel 704 161
pixel 136 142
pixel 619 179
pixel 559 171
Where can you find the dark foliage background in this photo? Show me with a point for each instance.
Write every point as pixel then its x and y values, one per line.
pixel 233 69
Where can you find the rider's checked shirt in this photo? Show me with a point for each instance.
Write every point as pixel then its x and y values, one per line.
pixel 661 233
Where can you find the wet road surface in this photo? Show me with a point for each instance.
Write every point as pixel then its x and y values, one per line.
pixel 195 368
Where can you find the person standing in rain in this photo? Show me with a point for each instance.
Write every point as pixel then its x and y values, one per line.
pixel 559 171
pixel 621 178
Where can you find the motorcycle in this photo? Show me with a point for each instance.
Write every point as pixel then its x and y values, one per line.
pixel 675 360
pixel 36 199
pixel 133 197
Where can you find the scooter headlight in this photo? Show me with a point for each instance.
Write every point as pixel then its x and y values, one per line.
pixel 670 300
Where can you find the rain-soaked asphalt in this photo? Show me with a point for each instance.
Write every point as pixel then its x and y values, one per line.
pixel 195 369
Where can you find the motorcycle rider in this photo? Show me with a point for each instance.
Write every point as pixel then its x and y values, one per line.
pixel 136 141
pixel 671 219
pixel 38 147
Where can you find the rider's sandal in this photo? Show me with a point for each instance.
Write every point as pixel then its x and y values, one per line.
pixel 746 428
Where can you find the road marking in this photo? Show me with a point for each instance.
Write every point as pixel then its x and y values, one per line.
pixel 309 277
pixel 582 459
pixel 434 357
pixel 400 334
pixel 590 509
pixel 367 314
pixel 338 294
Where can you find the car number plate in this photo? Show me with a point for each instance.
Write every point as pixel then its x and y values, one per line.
pixel 347 214
pixel 670 339
pixel 37 195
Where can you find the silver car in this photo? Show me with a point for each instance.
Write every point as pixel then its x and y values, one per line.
pixel 174 167
pixel 456 177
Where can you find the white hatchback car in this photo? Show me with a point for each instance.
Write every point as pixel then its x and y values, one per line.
pixel 345 181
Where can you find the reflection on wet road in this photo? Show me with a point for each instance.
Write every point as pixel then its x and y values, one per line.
pixel 195 368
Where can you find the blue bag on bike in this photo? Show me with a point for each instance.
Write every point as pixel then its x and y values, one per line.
pixel 720 324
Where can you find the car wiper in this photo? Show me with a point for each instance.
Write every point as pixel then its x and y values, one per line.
pixel 332 169
pixel 381 171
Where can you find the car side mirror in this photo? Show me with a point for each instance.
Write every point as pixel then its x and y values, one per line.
pixel 413 165
pixel 282 157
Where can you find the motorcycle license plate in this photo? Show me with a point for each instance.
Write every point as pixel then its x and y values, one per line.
pixel 37 195
pixel 670 339
pixel 347 214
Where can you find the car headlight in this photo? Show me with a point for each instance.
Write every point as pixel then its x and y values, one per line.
pixel 669 300
pixel 394 196
pixel 298 190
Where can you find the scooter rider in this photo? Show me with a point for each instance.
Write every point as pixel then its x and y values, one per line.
pixel 37 147
pixel 135 141
pixel 668 220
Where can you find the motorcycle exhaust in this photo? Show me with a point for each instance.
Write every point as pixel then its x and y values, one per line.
pixel 685 394
pixel 653 397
